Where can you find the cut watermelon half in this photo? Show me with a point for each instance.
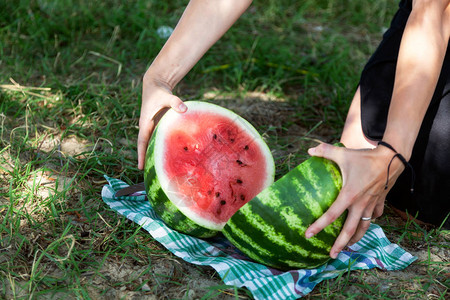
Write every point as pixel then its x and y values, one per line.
pixel 203 165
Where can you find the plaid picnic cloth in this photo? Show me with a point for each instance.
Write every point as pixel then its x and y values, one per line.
pixel 373 250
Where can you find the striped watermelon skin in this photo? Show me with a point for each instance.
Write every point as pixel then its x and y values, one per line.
pixel 162 205
pixel 270 229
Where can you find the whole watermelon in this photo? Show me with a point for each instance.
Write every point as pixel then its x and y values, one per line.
pixel 270 228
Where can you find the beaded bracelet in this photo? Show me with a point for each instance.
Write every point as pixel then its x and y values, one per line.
pixel 403 160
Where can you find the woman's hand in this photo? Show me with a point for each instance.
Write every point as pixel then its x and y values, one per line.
pixel 156 96
pixel 201 25
pixel 364 174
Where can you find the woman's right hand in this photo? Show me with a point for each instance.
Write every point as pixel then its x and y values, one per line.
pixel 156 96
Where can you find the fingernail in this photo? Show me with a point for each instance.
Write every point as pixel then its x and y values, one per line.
pixel 309 235
pixel 311 151
pixel 334 254
pixel 182 107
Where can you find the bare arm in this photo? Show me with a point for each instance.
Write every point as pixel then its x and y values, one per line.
pixel 422 50
pixel 201 25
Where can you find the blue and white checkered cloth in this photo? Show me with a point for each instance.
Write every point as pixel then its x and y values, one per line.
pixel 373 251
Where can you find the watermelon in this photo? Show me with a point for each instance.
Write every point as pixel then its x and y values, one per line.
pixel 202 166
pixel 208 170
pixel 270 228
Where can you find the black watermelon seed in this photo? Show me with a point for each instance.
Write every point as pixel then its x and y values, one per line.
pixel 246 147
pixel 239 181
pixel 242 197
pixel 215 136
pixel 217 194
pixel 239 162
pixel 185 148
pixel 223 202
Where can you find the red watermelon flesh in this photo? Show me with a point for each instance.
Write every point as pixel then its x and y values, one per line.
pixel 215 166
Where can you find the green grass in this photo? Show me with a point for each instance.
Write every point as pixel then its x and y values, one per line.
pixel 70 86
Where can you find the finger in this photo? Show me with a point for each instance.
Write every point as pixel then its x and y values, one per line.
pixel 363 225
pixel 327 151
pixel 148 122
pixel 146 128
pixel 335 210
pixel 178 105
pixel 145 131
pixel 379 207
pixel 361 230
pixel 349 229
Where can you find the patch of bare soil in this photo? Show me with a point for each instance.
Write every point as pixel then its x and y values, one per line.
pixel 429 274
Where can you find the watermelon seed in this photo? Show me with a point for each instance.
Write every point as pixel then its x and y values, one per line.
pixel 232 140
pixel 239 181
pixel 241 163
pixel 215 136
pixel 185 148
pixel 217 194
pixel 242 197
pixel 209 192
pixel 223 202
pixel 246 147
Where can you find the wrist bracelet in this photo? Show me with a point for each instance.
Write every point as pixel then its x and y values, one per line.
pixel 403 160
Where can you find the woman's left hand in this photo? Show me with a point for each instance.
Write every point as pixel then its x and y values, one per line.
pixel 364 175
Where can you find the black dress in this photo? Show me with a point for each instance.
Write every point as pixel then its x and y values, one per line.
pixel 431 153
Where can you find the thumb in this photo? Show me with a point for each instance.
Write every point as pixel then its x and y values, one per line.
pixel 327 151
pixel 178 105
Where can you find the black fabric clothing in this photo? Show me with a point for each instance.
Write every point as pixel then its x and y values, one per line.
pixel 431 153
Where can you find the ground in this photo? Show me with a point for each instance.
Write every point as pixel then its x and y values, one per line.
pixel 70 89
pixel 117 260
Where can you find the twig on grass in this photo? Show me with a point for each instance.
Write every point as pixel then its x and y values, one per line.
pixel 16 87
pixel 119 64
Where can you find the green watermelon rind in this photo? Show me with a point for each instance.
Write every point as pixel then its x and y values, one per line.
pixel 270 229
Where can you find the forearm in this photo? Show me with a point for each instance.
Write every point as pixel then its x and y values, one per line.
pixel 420 59
pixel 201 25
